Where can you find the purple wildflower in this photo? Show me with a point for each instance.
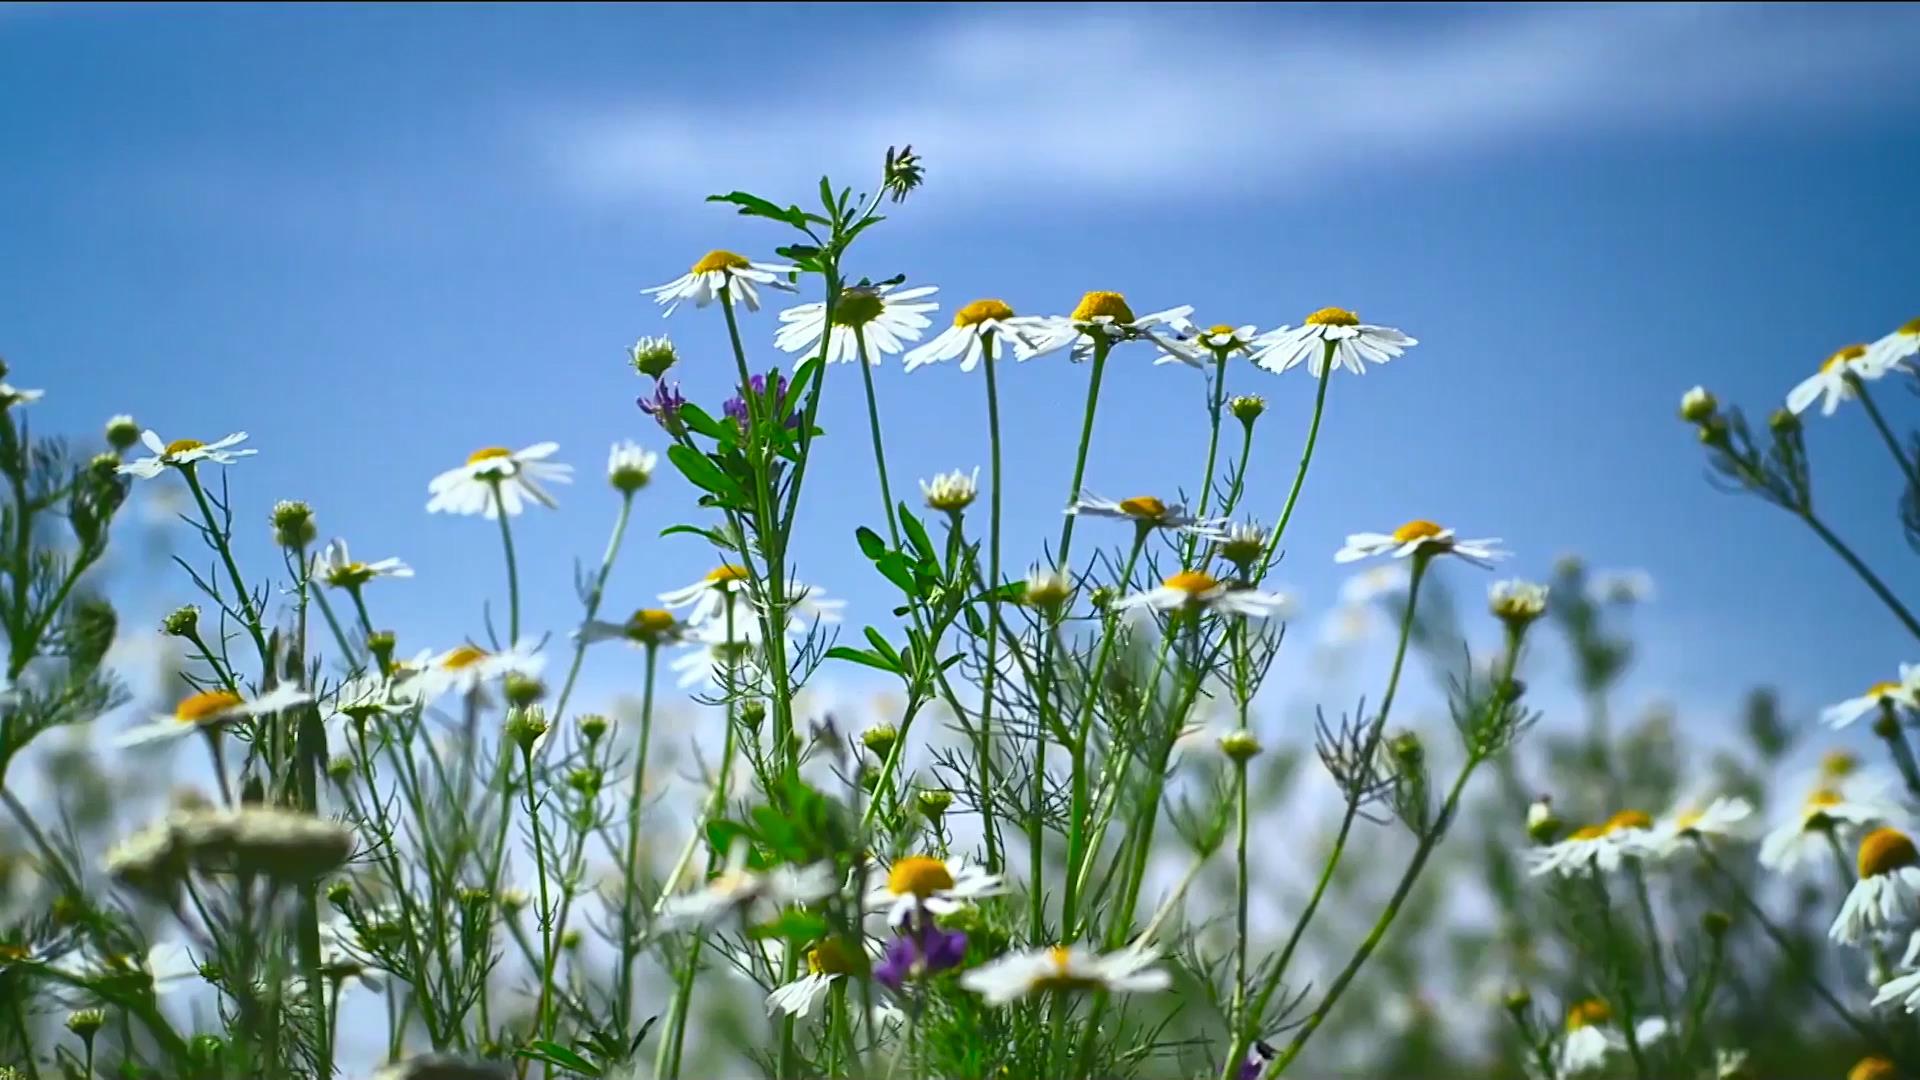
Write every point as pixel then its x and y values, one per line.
pixel 921 951
pixel 736 407
pixel 1256 1062
pixel 664 406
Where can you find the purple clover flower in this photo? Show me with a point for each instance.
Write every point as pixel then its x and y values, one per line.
pixel 664 406
pixel 921 950
pixel 736 407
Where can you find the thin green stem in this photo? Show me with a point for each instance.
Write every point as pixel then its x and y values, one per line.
pixel 1101 346
pixel 542 1015
pixel 221 544
pixel 1655 951
pixel 1861 569
pixel 594 597
pixel 1240 896
pixel 1908 467
pixel 1215 408
pixel 630 868
pixel 1306 459
pixel 992 672
pixel 513 571
pixel 1623 984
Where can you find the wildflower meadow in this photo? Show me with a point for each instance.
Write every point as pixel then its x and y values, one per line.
pixel 1078 841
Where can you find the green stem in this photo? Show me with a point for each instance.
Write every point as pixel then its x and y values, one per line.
pixel 1101 346
pixel 1306 458
pixel 1214 409
pixel 1888 728
pixel 1861 569
pixel 221 544
pixel 594 598
pixel 991 674
pixel 630 869
pixel 1654 950
pixel 1240 898
pixel 1623 987
pixel 542 1016
pixel 873 426
pixel 1908 468
pixel 513 572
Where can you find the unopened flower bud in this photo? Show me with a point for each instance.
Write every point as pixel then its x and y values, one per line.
pixel 586 781
pixel 880 739
pixel 1713 431
pixel 904 172
pixel 570 940
pixel 1103 597
pixel 1247 408
pixel 1240 745
pixel 183 622
pixel 293 525
pixel 1517 603
pixel 1716 924
pixel 525 726
pixel 513 900
pixel 380 643
pixel 340 769
pixel 1697 405
pixel 593 726
pixel 122 432
pixel 1543 825
pixel 339 894
pixel 86 1023
pixel 753 714
pixel 933 804
pixel 1407 750
pixel 104 468
pixel 653 356
pixel 1518 1000
pixel 523 690
pixel 1783 422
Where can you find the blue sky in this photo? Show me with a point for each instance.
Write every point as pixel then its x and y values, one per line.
pixel 378 238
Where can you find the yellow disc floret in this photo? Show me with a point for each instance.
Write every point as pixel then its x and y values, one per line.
pixel 1842 356
pixel 1838 763
pixel 463 657
pixel 1885 850
pixel 717 260
pixel 207 703
pixel 834 957
pixel 1629 819
pixel 1910 328
pixel 488 453
pixel 181 446
pixel 1417 529
pixel 1103 305
pixel 858 307
pixel 1144 507
pixel 1061 977
pixel 1873 1068
pixel 919 875
pixel 1881 691
pixel 726 572
pixel 1588 832
pixel 981 311
pixel 1192 582
pixel 1333 316
pixel 1588 1013
pixel 650 624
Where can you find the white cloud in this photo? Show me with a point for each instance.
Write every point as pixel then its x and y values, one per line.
pixel 1223 102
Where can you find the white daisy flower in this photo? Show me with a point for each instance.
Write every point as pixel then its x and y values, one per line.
pixel 974 325
pixel 1107 315
pixel 827 961
pixel 1591 1036
pixel 181 453
pixel 717 272
pixel 1889 352
pixel 630 466
pixel 1830 385
pixel 1831 808
pixel 1517 601
pixel 371 694
pixel 738 889
pixel 645 628
pixel 337 567
pixel 708 598
pixel 1197 590
pixel 11 395
pixel 1065 968
pixel 1355 344
pixel 889 321
pixel 1149 512
pixel 210 709
pixel 950 492
pixel 714 652
pixel 464 669
pixel 1886 898
pixel 1903 694
pixel 1414 536
pixel 341 957
pixel 1194 346
pixel 516 474
pixel 1602 846
pixel 941 886
pixel 1720 818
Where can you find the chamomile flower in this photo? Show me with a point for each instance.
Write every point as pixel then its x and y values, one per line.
pixel 209 709
pixel 1842 807
pixel 1354 344
pixel 708 599
pixel 888 320
pixel 1831 384
pixel 721 273
pixel 1065 968
pixel 1244 544
pixel 646 628
pixel 1890 351
pixel 1197 590
pixel 630 466
pixel 1902 694
pixel 11 395
pixel 1723 817
pixel 1149 512
pixel 940 886
pixel 181 453
pixel 951 492
pixel 827 961
pixel 338 568
pixel 515 475
pixel 1194 346
pixel 714 652
pixel 1887 895
pixel 1103 315
pixel 973 326
pixel 464 669
pixel 1418 536
pixel 372 694
pixel 740 889
pixel 1592 847
pixel 1591 1036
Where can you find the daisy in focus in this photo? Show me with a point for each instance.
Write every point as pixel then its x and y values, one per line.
pixel 1839 807
pixel 1886 898
pixel 709 599
pixel 1595 847
pixel 828 960
pixel 1197 590
pixel 496 477
pixel 464 669
pixel 888 320
pixel 975 327
pixel 1194 346
pixel 1104 316
pixel 181 453
pixel 1065 968
pixel 721 273
pixel 1889 352
pixel 1721 818
pixel 209 710
pixel 951 492
pixel 338 568
pixel 1833 383
pixel 738 889
pixel 1591 1036
pixel 1330 334
pixel 1418 536
pixel 1904 694
pixel 1149 512
pixel 939 886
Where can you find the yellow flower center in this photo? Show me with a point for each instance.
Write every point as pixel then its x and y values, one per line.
pixel 1097 305
pixel 649 623
pixel 1588 1013
pixel 1687 819
pixel 1417 529
pixel 1588 832
pixel 1192 582
pixel 1629 819
pixel 1838 763
pixel 488 453
pixel 181 446
pixel 1844 356
pixel 1881 690
pixel 721 260
pixel 1220 328
pixel 1144 507
pixel 982 310
pixel 463 657
pixel 721 575
pixel 1884 851
pixel 204 704
pixel 1333 316
pixel 920 876
pixel 858 307
pixel 1058 979
pixel 1910 328
pixel 1873 1068
pixel 831 957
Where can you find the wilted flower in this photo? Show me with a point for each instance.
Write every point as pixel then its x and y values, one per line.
pixel 904 171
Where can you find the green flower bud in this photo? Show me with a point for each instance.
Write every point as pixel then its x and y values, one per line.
pixel 525 726
pixel 86 1022
pixel 1697 405
pixel 753 714
pixel 1519 1000
pixel 1240 745
pixel 880 739
pixel 570 940
pixel 1247 408
pixel 1716 924
pixel 593 726
pixel 380 643
pixel 933 804
pixel 339 894
pixel 184 622
pixel 653 357
pixel 1783 422
pixel 340 769
pixel 586 781
pixel 293 525
pixel 1407 750
pixel 523 690
pixel 122 432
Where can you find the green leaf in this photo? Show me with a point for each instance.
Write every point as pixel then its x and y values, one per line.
pixel 861 656
pixel 703 473
pixel 755 206
pixel 722 835
pixel 917 536
pixel 898 569
pixel 799 927
pixel 700 422
pixel 554 1053
pixel 870 543
pixel 711 536
pixel 881 645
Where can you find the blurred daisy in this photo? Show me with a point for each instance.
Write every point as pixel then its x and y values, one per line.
pixel 1887 895
pixel 630 466
pixel 210 709
pixel 1903 694
pixel 1244 543
pixel 719 271
pixel 515 474
pixel 888 320
pixel 714 653
pixel 940 886
pixel 828 960
pixel 1720 818
pixel 11 395
pixel 1065 968
pixel 1197 590
pixel 1830 809
pixel 1591 1036
pixel 1416 536
pixel 646 628
pixel 1830 385
pixel 366 696
pixel 1365 587
pixel 1194 346
pixel 181 453
pixel 338 568
pixel 466 668
pixel 707 600
pixel 1601 847
pixel 1102 314
pixel 973 325
pixel 737 889
pixel 1355 344
pixel 1889 351
pixel 1149 512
